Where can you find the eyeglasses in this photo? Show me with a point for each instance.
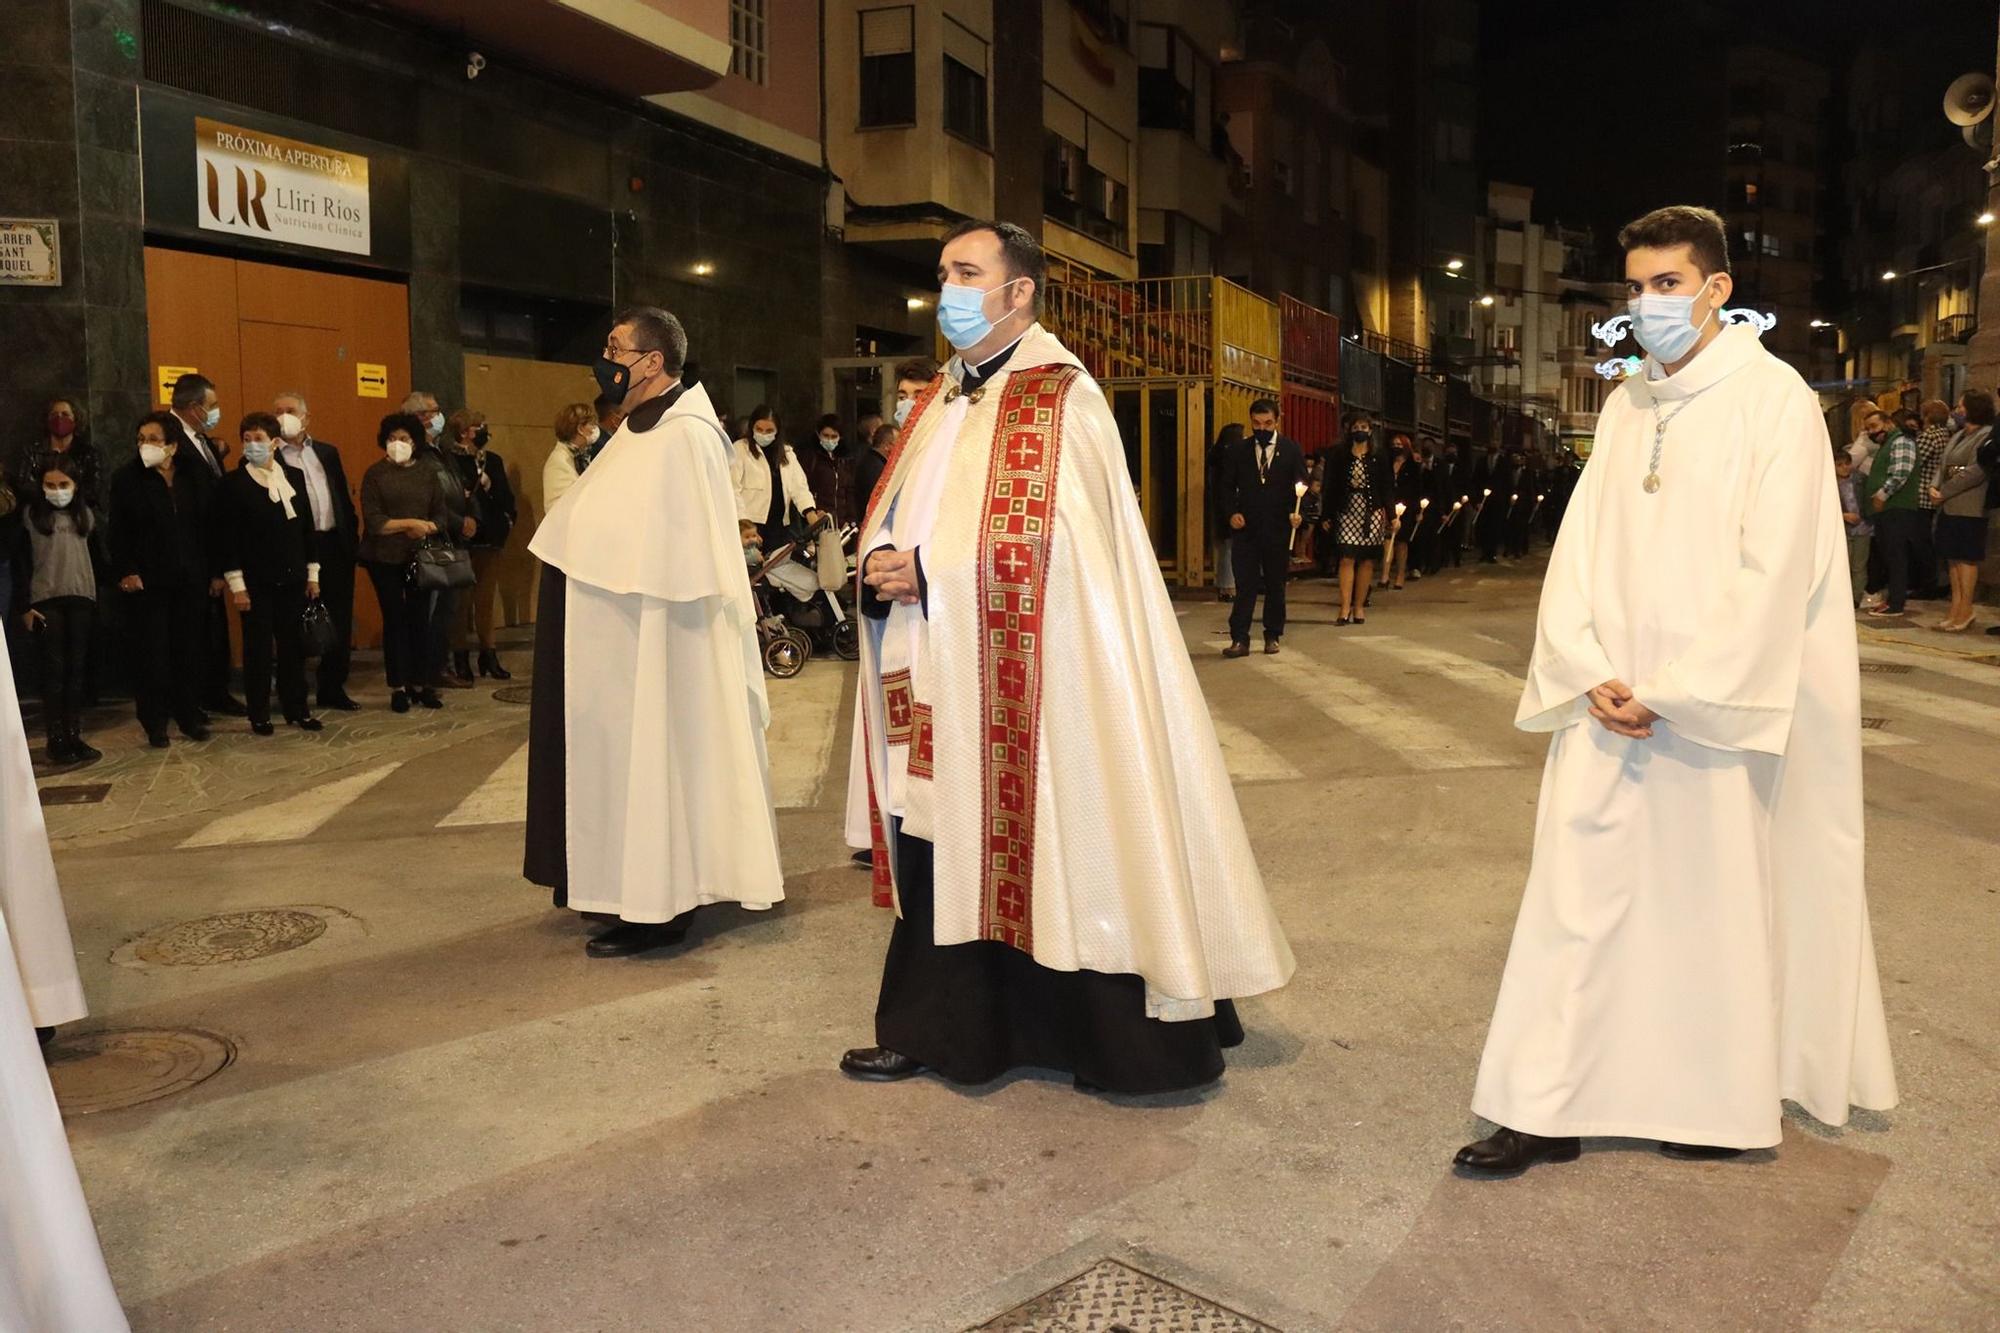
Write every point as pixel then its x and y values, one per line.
pixel 612 351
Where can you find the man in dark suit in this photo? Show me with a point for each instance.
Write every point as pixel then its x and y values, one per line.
pixel 336 532
pixel 1492 481
pixel 1262 485
pixel 197 412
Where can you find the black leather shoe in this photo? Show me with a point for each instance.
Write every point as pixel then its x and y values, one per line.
pixel 158 740
pixel 429 698
pixel 626 940
pixel 195 731
pixel 1238 649
pixel 399 702
pixel 489 665
pixel 865 859
pixel 82 751
pixel 307 723
pixel 877 1065
pixel 1699 1152
pixel 1509 1152
pixel 263 728
pixel 339 703
pixel 45 1035
pixel 228 706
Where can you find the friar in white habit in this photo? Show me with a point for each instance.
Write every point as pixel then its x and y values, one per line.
pixel 1052 821
pixel 649 789
pixel 1693 946
pixel 52 1277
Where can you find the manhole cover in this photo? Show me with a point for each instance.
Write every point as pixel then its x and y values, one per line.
pixel 104 1071
pixel 86 793
pixel 1885 668
pixel 1110 1297
pixel 1874 723
pixel 515 694
pixel 232 937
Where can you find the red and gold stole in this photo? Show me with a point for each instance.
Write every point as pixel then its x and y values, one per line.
pixel 1013 575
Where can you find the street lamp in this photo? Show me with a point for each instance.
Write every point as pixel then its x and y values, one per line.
pixel 1888 275
pixel 1985 219
pixel 1486 300
pixel 1456 264
pixel 1819 324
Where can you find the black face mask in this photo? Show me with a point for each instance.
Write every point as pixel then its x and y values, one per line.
pixel 1359 436
pixel 1263 436
pixel 481 436
pixel 613 378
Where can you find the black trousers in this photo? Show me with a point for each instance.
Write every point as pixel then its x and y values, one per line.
pixel 214 667
pixel 974 1011
pixel 170 646
pixel 1894 530
pixel 273 622
pixel 441 623
pixel 405 625
pixel 336 594
pixel 1924 572
pixel 545 857
pixel 1261 563
pixel 64 641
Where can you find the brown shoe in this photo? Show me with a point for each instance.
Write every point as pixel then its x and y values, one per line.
pixel 1238 649
pixel 1270 647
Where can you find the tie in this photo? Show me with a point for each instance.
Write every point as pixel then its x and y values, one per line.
pixel 1264 462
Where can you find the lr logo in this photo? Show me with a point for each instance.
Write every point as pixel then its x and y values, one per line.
pixel 249 201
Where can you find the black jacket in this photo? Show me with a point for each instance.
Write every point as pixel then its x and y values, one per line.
pixel 252 533
pixel 1338 486
pixel 346 535
pixel 161 534
pixel 867 472
pixel 1265 502
pixel 491 506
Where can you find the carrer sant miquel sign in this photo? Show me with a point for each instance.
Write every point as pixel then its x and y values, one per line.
pixel 250 183
pixel 30 252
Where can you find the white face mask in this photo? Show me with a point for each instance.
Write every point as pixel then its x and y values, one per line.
pixel 400 451
pixel 829 445
pixel 59 496
pixel 434 424
pixel 290 426
pixel 592 436
pixel 765 438
pixel 152 455
pixel 903 406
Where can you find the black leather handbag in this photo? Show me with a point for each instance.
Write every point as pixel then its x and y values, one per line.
pixel 439 565
pixel 318 629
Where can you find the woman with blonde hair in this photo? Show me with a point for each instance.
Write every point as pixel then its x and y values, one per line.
pixel 577 434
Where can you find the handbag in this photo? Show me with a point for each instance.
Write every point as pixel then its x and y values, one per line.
pixel 437 566
pixel 317 628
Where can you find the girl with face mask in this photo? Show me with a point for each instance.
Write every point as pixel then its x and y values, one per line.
pixel 490 500
pixel 770 485
pixel 55 574
pixel 403 503
pixel 577 436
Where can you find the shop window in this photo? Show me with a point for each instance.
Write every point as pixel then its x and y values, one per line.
pixel 965 66
pixel 749 40
pixel 888 67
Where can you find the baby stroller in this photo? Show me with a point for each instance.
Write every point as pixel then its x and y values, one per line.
pixel 796 617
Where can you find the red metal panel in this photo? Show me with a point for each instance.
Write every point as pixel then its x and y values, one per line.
pixel 1311 339
pixel 1312 416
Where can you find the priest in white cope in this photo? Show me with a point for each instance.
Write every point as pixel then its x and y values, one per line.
pixel 1052 820
pixel 1693 946
pixel 52 1277
pixel 649 790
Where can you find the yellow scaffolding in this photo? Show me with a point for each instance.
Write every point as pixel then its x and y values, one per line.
pixel 1178 358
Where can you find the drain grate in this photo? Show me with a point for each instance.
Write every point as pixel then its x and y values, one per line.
pixel 231 937
pixel 515 694
pixel 1110 1297
pixel 84 793
pixel 1886 668
pixel 1874 723
pixel 106 1071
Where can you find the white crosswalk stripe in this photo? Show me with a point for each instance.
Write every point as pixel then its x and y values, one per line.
pixel 1481 676
pixel 501 799
pixel 1392 724
pixel 294 817
pixel 1247 758
pixel 807 713
pixel 1888 697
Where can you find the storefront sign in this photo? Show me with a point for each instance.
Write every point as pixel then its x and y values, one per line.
pixel 168 374
pixel 250 183
pixel 30 252
pixel 371 380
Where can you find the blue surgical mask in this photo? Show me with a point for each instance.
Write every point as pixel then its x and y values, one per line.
pixel 213 419
pixel 903 407
pixel 962 313
pixel 1664 324
pixel 257 453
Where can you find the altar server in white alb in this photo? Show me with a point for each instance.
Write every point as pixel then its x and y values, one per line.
pixel 649 790
pixel 1693 946
pixel 52 1277
pixel 1053 823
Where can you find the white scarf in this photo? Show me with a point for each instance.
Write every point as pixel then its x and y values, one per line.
pixel 275 484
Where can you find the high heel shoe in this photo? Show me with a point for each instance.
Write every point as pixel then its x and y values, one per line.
pixel 489 665
pixel 461 667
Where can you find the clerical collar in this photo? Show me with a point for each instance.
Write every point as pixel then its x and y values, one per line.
pixel 647 414
pixel 974 376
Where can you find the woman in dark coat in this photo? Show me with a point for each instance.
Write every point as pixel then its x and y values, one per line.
pixel 160 560
pixel 265 543
pixel 1227 441
pixel 1406 511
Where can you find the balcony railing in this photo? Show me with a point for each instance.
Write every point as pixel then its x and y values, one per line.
pixel 1955 329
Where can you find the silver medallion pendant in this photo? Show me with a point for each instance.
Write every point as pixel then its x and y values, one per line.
pixel 1652 483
